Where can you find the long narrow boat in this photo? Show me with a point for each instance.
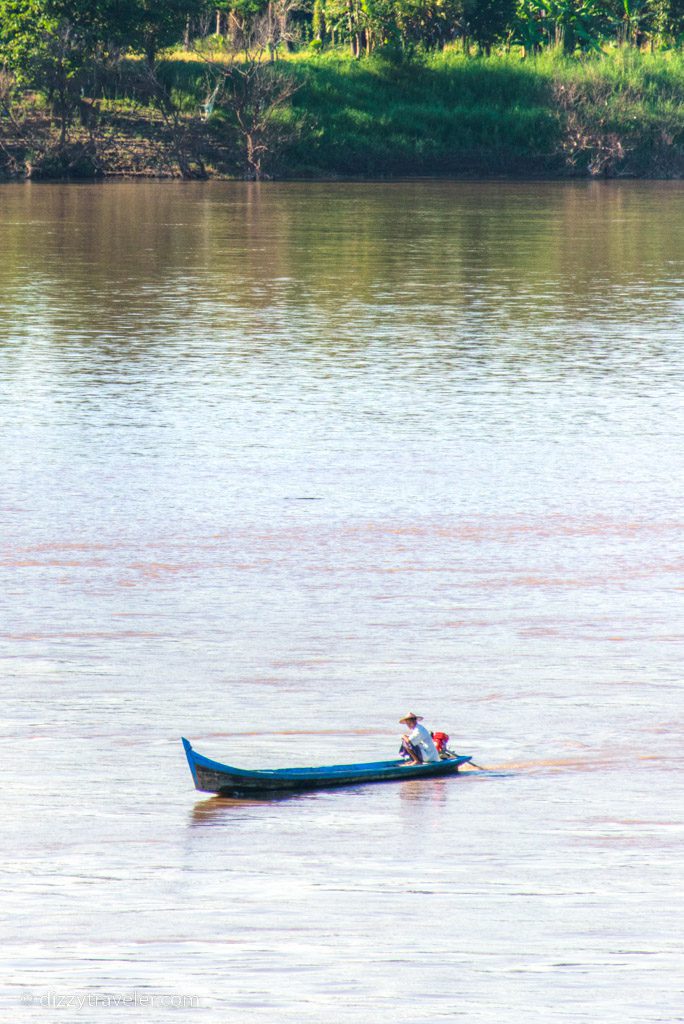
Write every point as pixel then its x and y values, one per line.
pixel 214 777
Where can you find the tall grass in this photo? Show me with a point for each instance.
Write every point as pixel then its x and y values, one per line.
pixel 621 112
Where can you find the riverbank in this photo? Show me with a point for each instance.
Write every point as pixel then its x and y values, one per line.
pixel 618 114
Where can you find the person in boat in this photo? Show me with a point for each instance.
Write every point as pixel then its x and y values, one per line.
pixel 417 744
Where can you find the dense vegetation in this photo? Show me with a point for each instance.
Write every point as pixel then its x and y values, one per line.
pixel 341 87
pixel 28 28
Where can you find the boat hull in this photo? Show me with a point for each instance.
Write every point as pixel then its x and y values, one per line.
pixel 213 777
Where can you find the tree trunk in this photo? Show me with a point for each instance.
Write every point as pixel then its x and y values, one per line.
pixel 350 23
pixel 318 23
pixel 63 101
pixel 253 160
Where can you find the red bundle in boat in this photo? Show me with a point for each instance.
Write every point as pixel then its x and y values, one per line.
pixel 441 739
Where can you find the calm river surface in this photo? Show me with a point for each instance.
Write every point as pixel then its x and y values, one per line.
pixel 279 464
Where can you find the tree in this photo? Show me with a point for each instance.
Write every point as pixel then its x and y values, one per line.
pixel 149 25
pixel 252 91
pixel 568 24
pixel 486 21
pixel 49 46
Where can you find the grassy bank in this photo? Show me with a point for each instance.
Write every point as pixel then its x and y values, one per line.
pixel 620 113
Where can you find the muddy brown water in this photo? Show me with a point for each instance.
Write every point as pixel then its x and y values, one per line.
pixel 281 463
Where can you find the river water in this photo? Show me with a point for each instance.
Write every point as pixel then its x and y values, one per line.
pixel 281 463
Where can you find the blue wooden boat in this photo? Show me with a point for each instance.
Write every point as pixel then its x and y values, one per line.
pixel 214 777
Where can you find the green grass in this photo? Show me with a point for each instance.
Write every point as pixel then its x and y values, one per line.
pixel 447 114
pixel 439 116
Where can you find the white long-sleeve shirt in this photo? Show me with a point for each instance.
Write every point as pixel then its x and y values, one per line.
pixel 422 739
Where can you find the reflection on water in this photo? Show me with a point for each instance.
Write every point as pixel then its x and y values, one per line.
pixel 216 809
pixel 278 464
pixel 430 791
